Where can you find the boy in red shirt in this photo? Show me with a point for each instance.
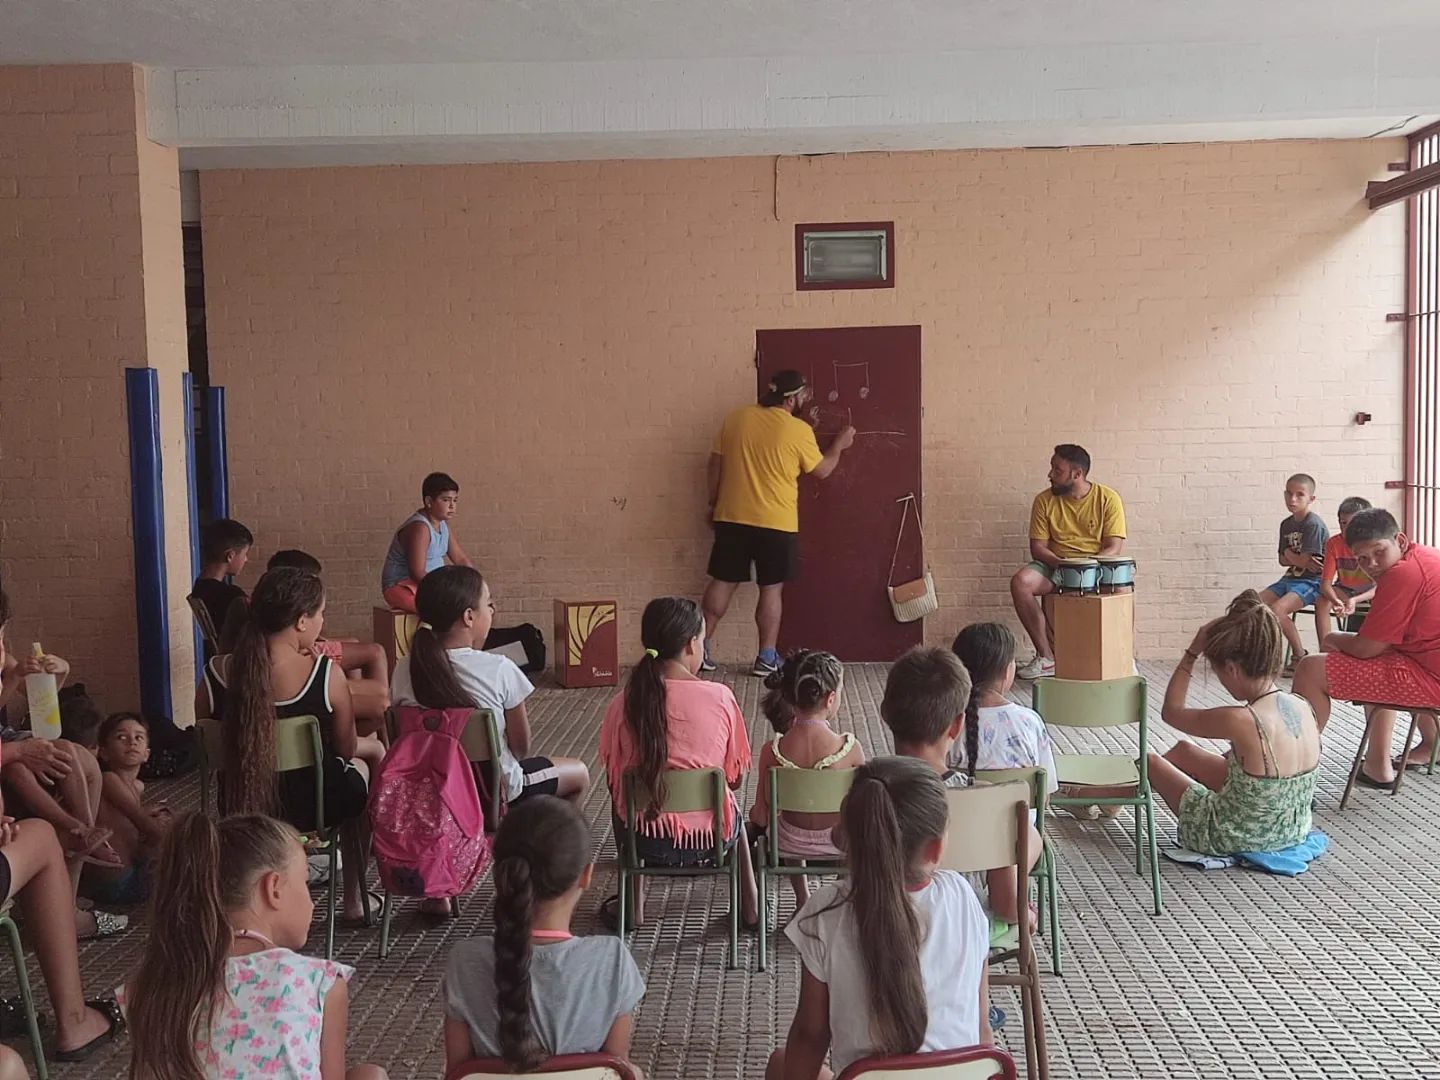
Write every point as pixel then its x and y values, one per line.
pixel 1343 584
pixel 1395 656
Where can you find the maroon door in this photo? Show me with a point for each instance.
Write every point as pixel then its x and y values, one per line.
pixel 868 376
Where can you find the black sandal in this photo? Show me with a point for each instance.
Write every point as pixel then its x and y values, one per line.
pixel 1364 779
pixel 108 1008
pixel 609 914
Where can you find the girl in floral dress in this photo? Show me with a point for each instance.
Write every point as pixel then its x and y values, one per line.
pixel 221 994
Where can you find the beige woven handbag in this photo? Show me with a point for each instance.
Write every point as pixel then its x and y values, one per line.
pixel 910 600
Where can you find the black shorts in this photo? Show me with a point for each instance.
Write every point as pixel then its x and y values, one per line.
pixel 773 552
pixel 541 777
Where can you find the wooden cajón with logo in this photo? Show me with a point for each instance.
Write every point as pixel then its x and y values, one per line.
pixel 586 649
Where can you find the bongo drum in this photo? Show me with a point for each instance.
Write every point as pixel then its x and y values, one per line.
pixel 1076 576
pixel 1117 573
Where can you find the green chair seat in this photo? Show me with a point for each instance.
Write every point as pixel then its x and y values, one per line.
pixel 1085 771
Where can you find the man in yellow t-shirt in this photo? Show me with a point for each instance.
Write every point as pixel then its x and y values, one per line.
pixel 1076 518
pixel 754 471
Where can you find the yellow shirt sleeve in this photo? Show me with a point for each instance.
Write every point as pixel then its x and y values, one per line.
pixel 1112 517
pixel 807 448
pixel 1039 526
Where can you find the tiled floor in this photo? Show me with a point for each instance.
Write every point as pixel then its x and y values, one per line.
pixel 1330 975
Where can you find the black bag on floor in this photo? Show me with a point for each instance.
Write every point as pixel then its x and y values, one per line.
pixel 528 636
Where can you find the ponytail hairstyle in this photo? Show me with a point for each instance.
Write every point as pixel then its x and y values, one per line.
pixel 281 598
pixel 441 601
pixel 799 685
pixel 895 807
pixel 206 870
pixel 1249 636
pixel 541 850
pixel 986 649
pixel 668 625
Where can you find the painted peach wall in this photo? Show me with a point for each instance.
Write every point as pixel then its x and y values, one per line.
pixel 565 339
pixel 90 284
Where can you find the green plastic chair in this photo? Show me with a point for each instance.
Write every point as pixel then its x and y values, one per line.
pixel 1105 704
pixel 32 1020
pixel 1045 873
pixel 799 791
pixel 686 790
pixel 297 746
pixel 479 740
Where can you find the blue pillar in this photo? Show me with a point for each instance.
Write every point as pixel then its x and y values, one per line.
pixel 215 444
pixel 147 515
pixel 187 390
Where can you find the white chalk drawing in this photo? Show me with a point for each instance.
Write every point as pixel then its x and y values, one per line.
pixel 865 384
pixel 816 417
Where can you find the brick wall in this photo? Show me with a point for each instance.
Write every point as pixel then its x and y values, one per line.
pixel 565 338
pixel 85 291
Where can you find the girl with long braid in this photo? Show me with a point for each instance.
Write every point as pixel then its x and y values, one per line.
pixel 534 989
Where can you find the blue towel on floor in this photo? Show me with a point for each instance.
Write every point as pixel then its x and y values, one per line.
pixel 1288 861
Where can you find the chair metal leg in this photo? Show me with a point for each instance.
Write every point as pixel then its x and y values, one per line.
pixel 1355 766
pixel 331 850
pixel 32 1022
pixel 1154 848
pixel 1139 844
pixel 734 961
pixel 1405 753
pixel 622 905
pixel 387 907
pixel 1027 1021
pixel 1052 886
pixel 762 882
pixel 1042 1055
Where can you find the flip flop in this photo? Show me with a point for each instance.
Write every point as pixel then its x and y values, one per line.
pixel 609 914
pixel 1405 762
pixel 107 1008
pixel 360 922
pixel 106 925
pixel 1364 779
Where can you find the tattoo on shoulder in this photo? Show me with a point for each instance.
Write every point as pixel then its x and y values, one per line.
pixel 1289 715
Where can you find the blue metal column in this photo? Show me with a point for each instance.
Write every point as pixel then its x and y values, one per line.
pixel 187 389
pixel 147 515
pixel 215 443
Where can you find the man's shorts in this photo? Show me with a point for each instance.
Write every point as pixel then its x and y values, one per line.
pixel 1307 589
pixel 1388 679
pixel 774 553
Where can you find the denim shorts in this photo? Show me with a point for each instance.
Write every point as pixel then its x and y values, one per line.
pixel 1307 589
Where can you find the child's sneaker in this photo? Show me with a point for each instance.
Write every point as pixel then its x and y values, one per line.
pixel 706 664
pixel 766 663
pixel 997 1018
pixel 1042 667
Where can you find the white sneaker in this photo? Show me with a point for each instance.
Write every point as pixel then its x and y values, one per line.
pixel 1042 667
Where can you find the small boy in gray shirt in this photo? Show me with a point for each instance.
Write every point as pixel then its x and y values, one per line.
pixel 1302 553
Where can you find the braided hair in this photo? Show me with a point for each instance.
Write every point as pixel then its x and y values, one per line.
pixel 1249 636
pixel 541 850
pixel 986 650
pixel 800 684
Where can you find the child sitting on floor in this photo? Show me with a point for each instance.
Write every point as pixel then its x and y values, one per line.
pixel 222 989
pixel 801 700
pixel 668 718
pixel 534 989
pixel 422 544
pixel 224 550
pixel 363 662
pixel 446 669
pixel 927 698
pixel 895 957
pixel 1344 585
pixel 136 830
pixel 1255 797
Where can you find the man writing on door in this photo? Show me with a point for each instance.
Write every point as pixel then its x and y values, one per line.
pixel 753 473
pixel 1075 518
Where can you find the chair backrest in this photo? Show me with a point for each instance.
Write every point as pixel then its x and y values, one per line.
pixel 208 630
pixel 809 791
pixel 212 744
pixel 686 790
pixel 971 1063
pixel 988 827
pixel 481 737
pixel 298 746
pixel 1033 775
pixel 561 1067
pixel 1085 704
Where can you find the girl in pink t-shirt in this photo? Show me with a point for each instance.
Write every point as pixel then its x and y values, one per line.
pixel 668 718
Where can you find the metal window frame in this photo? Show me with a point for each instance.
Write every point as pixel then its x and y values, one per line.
pixel 885 282
pixel 1422 347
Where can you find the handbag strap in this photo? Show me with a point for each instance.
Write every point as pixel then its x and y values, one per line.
pixel 909 501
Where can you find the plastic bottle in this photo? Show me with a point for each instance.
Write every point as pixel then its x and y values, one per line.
pixel 44 698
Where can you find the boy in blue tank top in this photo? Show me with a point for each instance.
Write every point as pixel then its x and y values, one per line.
pixel 423 543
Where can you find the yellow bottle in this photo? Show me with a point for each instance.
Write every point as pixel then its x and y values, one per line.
pixel 44 699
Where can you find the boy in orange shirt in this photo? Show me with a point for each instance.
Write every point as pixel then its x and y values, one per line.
pixel 1343 584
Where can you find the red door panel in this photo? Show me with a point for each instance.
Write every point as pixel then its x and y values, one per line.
pixel 868 376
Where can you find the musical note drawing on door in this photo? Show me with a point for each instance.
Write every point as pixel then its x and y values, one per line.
pixel 819 418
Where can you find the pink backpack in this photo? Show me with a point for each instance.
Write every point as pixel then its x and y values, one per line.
pixel 426 814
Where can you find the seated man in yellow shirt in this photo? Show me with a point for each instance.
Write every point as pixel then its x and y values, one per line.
pixel 754 472
pixel 1074 519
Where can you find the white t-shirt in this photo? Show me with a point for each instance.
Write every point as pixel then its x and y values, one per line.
pixel 953 951
pixel 495 682
pixel 1010 736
